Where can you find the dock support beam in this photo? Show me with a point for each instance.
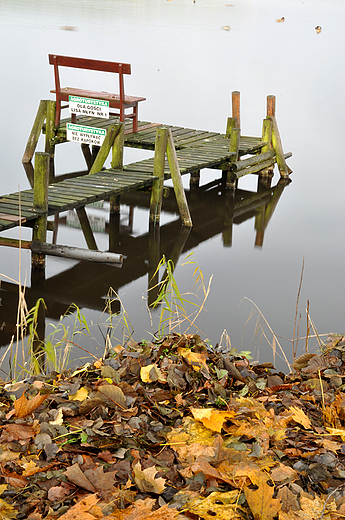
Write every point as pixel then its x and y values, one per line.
pixel 177 181
pixel 40 204
pixel 158 171
pixel 231 177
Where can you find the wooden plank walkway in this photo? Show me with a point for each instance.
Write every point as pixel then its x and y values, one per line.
pixel 195 149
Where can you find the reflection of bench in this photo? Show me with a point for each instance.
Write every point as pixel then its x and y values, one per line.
pixel 120 102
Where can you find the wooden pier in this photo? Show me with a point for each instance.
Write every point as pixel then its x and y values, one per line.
pixel 177 151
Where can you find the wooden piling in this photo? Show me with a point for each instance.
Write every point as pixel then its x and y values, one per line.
pixel 177 182
pixel 231 177
pixel 50 125
pixel 118 146
pixel 236 108
pixel 271 106
pixel 35 132
pixel 40 204
pixel 158 171
pixel 230 124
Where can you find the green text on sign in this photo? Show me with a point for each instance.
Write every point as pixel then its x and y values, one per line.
pixel 85 134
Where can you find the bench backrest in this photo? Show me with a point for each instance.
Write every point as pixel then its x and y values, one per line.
pixel 86 63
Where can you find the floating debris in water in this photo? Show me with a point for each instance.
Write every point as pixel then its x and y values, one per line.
pixel 68 28
pixel 226 27
pixel 282 19
pixel 318 29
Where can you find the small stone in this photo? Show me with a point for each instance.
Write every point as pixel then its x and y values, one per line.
pixel 335 381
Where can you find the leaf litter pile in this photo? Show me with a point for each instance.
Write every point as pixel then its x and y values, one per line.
pixel 176 431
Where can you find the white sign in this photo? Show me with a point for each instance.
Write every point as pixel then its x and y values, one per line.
pixel 85 134
pixel 88 107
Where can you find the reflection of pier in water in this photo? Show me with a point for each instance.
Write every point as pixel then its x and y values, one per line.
pixel 214 211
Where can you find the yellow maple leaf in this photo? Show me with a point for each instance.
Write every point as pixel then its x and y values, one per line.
pixel 196 360
pixel 221 505
pixel 260 500
pixel 80 395
pixel 152 373
pixel 211 418
pixel 300 417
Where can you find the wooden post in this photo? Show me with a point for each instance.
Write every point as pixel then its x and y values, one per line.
pixel 35 132
pixel 231 177
pixel 271 106
pixel 236 108
pixel 230 124
pixel 50 125
pixel 177 181
pixel 103 153
pixel 158 171
pixel 117 155
pixel 86 228
pixel 40 204
pixel 277 145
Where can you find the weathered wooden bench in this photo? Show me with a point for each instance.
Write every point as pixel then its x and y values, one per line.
pixel 117 102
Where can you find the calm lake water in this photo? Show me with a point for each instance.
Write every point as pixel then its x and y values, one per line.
pixel 186 64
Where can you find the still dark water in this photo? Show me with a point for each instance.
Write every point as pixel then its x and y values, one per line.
pixel 186 65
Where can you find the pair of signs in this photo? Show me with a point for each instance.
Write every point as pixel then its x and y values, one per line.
pixel 87 107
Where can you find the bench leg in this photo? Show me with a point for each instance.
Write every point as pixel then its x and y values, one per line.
pixel 57 112
pixel 135 119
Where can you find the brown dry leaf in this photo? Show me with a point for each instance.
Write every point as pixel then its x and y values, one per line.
pixel 146 481
pixel 211 418
pixel 283 474
pixel 302 361
pixel 261 501
pixel 80 509
pixel 100 480
pixel 17 432
pixel 219 505
pixel 114 394
pixel 151 374
pixel 24 407
pixel 299 416
pixel 77 477
pixel 288 500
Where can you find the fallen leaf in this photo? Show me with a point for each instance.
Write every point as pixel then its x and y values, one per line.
pixel 80 395
pixel 211 418
pixel 24 407
pixel 261 501
pixel 80 509
pixel 7 511
pixel 146 481
pixel 114 394
pixel 217 505
pixel 151 374
pixel 77 477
